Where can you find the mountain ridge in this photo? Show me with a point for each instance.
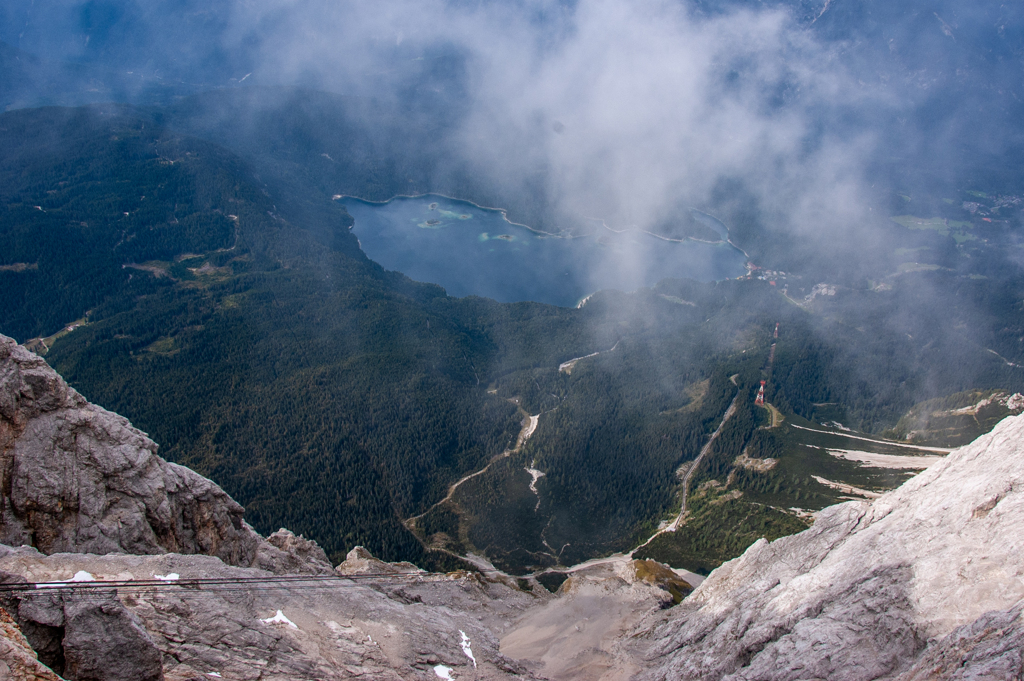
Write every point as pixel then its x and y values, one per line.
pixel 870 585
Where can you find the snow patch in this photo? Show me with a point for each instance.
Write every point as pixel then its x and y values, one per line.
pixel 916 463
pixel 172 577
pixel 279 618
pixel 80 576
pixel 530 428
pixel 443 672
pixel 847 489
pixel 535 475
pixel 466 649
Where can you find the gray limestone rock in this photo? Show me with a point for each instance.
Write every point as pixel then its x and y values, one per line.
pixel 75 477
pixel 857 595
pixel 104 641
pixel 18 662
pixel 285 553
pixel 41 618
pixel 359 561
pixel 989 649
pixel 249 626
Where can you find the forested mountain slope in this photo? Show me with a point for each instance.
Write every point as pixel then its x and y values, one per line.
pixel 224 332
pixel 223 305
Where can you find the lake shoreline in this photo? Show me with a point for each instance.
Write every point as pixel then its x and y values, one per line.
pixel 515 266
pixel 504 214
pixel 503 211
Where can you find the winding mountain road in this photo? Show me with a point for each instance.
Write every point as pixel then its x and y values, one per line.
pixel 569 365
pixel 529 427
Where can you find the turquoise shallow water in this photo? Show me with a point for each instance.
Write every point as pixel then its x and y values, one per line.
pixel 474 251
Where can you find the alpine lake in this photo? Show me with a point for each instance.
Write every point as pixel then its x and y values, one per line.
pixel 470 250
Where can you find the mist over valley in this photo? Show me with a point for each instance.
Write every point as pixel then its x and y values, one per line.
pixel 515 286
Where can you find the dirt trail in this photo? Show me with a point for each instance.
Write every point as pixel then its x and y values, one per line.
pixel 528 429
pixel 568 366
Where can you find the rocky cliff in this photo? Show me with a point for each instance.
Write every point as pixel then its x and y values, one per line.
pixel 82 490
pixel 77 478
pixel 925 581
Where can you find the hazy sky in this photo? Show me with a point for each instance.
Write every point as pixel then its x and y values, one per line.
pixel 628 110
pixel 631 109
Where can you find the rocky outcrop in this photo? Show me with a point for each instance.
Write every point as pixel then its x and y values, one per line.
pixel 77 478
pixel 86 635
pixel 359 561
pixel 284 553
pixel 247 624
pixel 922 576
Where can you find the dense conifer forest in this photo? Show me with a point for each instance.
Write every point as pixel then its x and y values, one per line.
pixel 215 296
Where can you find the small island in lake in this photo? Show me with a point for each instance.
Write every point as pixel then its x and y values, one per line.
pixel 433 222
pixel 432 206
pixel 506 237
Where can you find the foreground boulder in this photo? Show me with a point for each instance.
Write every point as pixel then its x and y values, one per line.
pixel 926 581
pixel 284 553
pixel 104 641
